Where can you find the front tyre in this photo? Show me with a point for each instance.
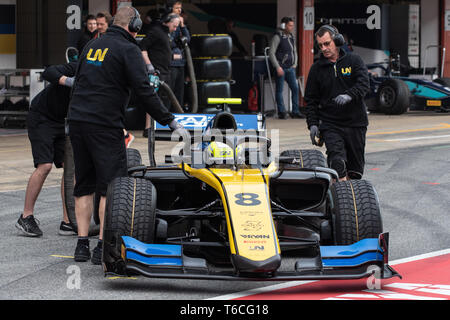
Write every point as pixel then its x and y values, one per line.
pixel 355 211
pixel 130 211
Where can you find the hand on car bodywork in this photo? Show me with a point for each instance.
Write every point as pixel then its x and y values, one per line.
pixel 313 133
pixel 342 99
pixel 177 127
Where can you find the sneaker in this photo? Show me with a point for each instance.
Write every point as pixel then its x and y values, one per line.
pixel 297 116
pixel 129 138
pixel 283 115
pixel 82 252
pixel 66 229
pixel 97 255
pixel 29 226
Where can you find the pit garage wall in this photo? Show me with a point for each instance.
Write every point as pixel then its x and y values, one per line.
pixel 445 34
pixel 7 34
pixel 429 32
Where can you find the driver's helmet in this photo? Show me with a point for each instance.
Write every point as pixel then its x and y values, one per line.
pixel 221 153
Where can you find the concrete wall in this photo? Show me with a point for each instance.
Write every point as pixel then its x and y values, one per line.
pixel 429 32
pixel 96 6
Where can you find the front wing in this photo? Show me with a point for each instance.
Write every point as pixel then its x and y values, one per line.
pixel 360 260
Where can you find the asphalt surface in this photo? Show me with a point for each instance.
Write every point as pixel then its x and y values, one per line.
pixel 412 183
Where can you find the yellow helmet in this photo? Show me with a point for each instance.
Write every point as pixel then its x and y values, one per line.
pixel 221 153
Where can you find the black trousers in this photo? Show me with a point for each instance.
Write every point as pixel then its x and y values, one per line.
pixel 345 150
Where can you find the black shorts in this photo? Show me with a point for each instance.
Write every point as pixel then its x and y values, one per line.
pixel 346 146
pixel 47 139
pixel 99 155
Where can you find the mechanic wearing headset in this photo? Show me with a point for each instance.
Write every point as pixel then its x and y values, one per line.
pixel 157 52
pixel 283 55
pixel 108 69
pixel 336 112
pixel 45 123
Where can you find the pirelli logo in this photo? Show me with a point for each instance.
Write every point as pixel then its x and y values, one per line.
pixel 434 103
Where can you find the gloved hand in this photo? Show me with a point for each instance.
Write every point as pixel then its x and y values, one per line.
pixel 342 99
pixel 178 128
pixel 154 81
pixel 150 69
pixel 313 133
pixel 69 81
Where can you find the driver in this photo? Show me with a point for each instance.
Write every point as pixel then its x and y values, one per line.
pixel 335 111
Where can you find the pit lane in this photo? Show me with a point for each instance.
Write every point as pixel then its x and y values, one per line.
pixel 407 161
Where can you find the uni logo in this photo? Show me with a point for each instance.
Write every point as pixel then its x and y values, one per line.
pixel 98 58
pixel 346 71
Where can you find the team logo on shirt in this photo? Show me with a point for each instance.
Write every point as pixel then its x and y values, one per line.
pixel 97 58
pixel 346 71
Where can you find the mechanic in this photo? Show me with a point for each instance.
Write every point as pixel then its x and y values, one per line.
pixel 90 31
pixel 157 53
pixel 283 55
pixel 336 112
pixel 103 21
pixel 45 123
pixel 109 68
pixel 177 65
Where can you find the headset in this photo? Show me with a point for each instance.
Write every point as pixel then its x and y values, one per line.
pixel 135 24
pixel 284 21
pixel 337 38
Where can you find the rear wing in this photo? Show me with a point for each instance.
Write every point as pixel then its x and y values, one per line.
pixel 198 122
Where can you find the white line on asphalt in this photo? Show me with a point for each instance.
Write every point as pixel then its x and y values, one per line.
pixel 286 285
pixel 417 138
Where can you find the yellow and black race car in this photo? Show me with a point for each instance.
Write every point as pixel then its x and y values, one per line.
pixel 227 209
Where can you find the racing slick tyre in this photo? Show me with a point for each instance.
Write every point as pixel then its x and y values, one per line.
pixel 443 81
pixel 308 158
pixel 211 45
pixel 212 69
pixel 355 211
pixel 393 97
pixel 130 211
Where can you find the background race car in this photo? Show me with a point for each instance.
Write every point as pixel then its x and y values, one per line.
pixel 394 94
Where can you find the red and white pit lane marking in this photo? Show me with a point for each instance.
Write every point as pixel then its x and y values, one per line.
pixel 425 277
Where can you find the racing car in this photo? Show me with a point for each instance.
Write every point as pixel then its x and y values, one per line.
pixel 395 94
pixel 223 207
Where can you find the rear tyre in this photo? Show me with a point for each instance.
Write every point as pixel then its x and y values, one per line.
pixel 308 158
pixel 134 158
pixel 355 211
pixel 393 97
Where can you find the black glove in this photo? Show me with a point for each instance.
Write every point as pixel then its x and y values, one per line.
pixel 313 133
pixel 342 99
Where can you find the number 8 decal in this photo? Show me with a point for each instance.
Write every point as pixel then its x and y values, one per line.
pixel 247 199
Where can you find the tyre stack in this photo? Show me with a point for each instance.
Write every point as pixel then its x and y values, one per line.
pixel 212 67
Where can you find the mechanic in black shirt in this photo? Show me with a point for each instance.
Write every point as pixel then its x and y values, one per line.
pixel 45 123
pixel 90 32
pixel 157 53
pixel 336 112
pixel 109 68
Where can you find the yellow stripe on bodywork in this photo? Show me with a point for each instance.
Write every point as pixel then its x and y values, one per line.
pixel 245 196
